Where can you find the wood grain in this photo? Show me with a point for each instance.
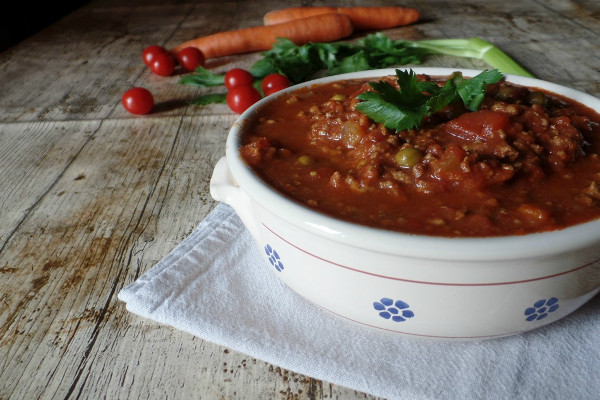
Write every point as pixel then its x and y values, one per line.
pixel 92 197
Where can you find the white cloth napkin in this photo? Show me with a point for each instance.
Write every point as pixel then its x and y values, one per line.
pixel 215 285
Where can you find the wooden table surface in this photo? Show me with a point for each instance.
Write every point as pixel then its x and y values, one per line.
pixel 91 197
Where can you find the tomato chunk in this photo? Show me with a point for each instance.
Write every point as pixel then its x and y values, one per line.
pixel 480 125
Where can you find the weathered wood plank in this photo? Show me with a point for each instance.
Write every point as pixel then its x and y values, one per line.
pixel 96 221
pixel 32 157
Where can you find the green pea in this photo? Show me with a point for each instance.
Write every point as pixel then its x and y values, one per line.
pixel 305 160
pixel 407 157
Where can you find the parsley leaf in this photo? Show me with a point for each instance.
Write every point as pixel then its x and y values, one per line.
pixel 406 107
pixel 300 63
pixel 399 109
pixel 384 52
pixel 472 91
pixel 203 78
pixel 210 98
pixel 379 108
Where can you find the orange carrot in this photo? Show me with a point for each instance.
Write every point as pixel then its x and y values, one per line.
pixel 363 18
pixel 317 28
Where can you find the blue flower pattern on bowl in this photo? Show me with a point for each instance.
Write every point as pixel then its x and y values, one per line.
pixel 397 311
pixel 274 258
pixel 541 309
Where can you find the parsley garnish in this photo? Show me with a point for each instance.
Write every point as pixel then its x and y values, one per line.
pixel 406 107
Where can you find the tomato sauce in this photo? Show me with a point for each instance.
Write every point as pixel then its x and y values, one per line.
pixel 526 162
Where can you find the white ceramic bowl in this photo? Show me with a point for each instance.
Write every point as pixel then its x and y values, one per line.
pixel 435 287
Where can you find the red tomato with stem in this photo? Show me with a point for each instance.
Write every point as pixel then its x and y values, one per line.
pixel 240 98
pixel 162 64
pixel 138 101
pixel 150 52
pixel 190 58
pixel 273 83
pixel 238 77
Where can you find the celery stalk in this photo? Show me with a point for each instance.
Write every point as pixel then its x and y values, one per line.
pixel 473 48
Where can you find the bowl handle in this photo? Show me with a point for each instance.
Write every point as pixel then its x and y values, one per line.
pixel 224 188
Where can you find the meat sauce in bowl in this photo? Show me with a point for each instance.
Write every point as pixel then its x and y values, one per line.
pixel 526 162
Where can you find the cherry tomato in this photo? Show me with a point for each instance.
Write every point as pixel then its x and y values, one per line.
pixel 238 77
pixel 150 53
pixel 138 101
pixel 273 83
pixel 162 64
pixel 241 97
pixel 190 58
